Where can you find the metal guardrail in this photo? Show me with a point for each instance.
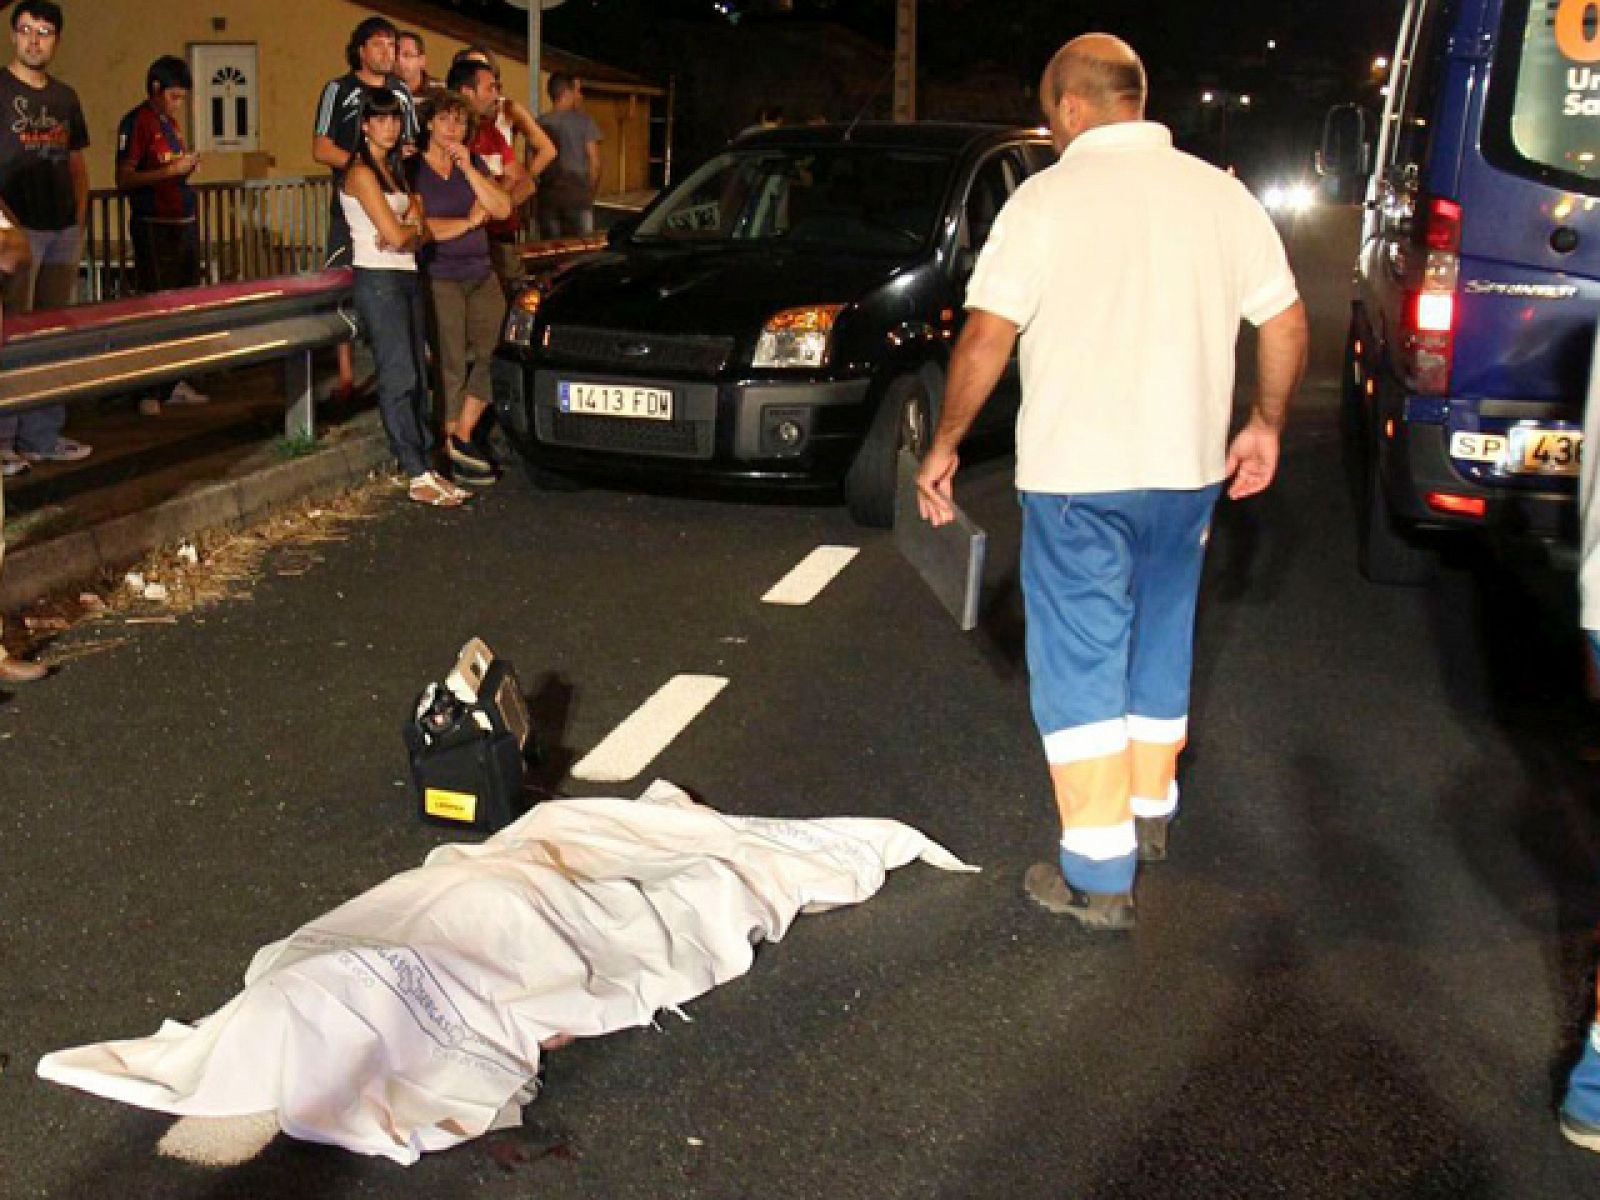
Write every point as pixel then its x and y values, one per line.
pixel 123 346
pixel 128 345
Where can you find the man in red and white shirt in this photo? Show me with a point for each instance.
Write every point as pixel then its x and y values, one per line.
pixel 478 83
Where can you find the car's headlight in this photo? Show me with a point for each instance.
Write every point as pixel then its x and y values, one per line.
pixel 1300 198
pixel 1291 198
pixel 797 337
pixel 520 318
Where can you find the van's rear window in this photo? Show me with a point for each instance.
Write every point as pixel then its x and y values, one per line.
pixel 1544 114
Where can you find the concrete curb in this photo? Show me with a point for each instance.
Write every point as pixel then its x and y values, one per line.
pixel 75 559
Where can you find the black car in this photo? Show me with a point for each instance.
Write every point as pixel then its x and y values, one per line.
pixel 783 317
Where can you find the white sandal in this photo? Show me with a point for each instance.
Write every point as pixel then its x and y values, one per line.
pixel 452 487
pixel 429 489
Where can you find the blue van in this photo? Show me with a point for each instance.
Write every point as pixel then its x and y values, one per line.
pixel 1478 277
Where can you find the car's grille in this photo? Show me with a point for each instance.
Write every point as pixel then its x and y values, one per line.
pixel 670 439
pixel 653 352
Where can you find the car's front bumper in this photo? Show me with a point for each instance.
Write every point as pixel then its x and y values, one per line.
pixel 728 430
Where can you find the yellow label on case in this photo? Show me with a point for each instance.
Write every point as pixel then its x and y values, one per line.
pixel 452 806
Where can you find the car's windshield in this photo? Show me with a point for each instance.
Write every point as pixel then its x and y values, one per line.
pixel 854 197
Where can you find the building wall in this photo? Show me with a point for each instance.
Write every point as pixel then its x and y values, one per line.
pixel 107 46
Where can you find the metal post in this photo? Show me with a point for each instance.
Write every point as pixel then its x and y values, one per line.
pixel 301 422
pixel 905 61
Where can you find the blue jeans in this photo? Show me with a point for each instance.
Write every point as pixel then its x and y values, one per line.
pixel 1110 580
pixel 51 282
pixel 394 320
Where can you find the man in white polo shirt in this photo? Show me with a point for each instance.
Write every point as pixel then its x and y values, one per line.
pixel 1126 269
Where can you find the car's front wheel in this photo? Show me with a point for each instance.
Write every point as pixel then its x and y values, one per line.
pixel 904 420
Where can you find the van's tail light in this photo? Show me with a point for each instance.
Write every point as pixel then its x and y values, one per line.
pixel 1428 323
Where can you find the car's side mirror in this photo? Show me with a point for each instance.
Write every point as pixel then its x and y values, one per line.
pixel 621 231
pixel 1344 158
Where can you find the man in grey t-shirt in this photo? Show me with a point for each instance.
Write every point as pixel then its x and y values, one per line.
pixel 567 188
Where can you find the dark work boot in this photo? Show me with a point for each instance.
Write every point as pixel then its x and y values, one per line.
pixel 1093 910
pixel 1151 833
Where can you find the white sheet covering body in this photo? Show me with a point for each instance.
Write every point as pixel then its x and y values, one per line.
pixel 409 1019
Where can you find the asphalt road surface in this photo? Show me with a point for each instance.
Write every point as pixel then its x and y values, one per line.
pixel 1363 973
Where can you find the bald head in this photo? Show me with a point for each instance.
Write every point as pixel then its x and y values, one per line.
pixel 1102 73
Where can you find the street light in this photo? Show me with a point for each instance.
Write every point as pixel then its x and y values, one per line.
pixel 1379 65
pixel 1223 100
pixel 535 43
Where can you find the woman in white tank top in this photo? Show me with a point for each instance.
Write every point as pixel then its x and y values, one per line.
pixel 386 227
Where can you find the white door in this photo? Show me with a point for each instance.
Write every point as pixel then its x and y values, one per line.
pixel 227 98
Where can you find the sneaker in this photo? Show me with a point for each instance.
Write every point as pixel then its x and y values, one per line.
pixel 1579 1132
pixel 1092 910
pixel 65 450
pixel 12 463
pixel 473 478
pixel 469 455
pixel 1152 835
pixel 183 393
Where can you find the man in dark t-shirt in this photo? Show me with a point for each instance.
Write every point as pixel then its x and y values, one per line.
pixel 336 136
pixel 567 188
pixel 153 169
pixel 45 182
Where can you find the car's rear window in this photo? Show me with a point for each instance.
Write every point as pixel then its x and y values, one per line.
pixel 854 197
pixel 1544 112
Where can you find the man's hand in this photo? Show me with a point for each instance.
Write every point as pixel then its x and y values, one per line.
pixel 936 486
pixel 1252 459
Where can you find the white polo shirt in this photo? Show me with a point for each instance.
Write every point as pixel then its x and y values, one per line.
pixel 1128 266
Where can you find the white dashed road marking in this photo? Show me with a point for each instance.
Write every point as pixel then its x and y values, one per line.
pixel 815 572
pixel 635 744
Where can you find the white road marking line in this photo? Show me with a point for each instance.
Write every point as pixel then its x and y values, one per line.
pixel 815 572
pixel 632 746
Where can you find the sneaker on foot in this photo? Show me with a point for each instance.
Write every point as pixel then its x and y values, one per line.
pixel 65 450
pixel 184 393
pixel 1580 1132
pixel 469 455
pixel 473 478
pixel 1092 910
pixel 12 463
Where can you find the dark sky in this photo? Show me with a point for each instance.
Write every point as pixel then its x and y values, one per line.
pixel 1193 36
